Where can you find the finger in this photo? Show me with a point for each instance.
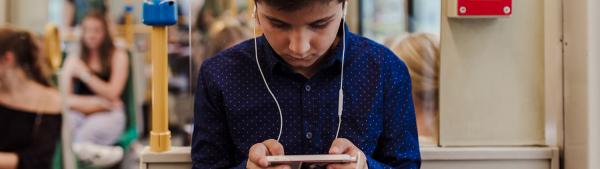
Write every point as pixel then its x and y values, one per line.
pixel 361 161
pixel 251 165
pixel 349 165
pixel 283 166
pixel 341 146
pixel 274 147
pixel 257 155
pixel 337 166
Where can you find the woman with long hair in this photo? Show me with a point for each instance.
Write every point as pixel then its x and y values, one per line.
pixel 95 78
pixel 29 106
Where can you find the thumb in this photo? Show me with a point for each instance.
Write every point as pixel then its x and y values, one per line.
pixel 340 146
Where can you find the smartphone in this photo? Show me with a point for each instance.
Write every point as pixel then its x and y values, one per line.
pixel 328 158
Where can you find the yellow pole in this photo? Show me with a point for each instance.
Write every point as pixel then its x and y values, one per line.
pixel 52 46
pixel 250 7
pixel 233 7
pixel 160 136
pixel 129 29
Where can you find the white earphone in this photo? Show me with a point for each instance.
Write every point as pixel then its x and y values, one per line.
pixel 341 91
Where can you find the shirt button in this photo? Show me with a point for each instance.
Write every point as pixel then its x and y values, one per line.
pixel 308 135
pixel 307 88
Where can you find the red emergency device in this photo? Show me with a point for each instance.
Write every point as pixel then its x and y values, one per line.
pixel 479 8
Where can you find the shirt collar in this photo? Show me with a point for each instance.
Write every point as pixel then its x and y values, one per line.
pixel 333 56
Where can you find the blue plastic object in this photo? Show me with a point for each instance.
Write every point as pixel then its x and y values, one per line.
pixel 128 8
pixel 159 12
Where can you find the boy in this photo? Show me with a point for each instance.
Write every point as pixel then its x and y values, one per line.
pixel 240 109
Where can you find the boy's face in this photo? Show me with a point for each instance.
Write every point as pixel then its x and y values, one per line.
pixel 303 36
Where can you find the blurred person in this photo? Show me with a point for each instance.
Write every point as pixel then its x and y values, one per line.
pixel 209 12
pixel 421 53
pixel 30 117
pixel 281 94
pixel 95 78
pixel 210 24
pixel 223 34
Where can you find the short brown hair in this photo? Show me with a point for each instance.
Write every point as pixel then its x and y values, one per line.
pixel 292 5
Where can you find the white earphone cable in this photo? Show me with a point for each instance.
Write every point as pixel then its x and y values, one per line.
pixel 265 80
pixel 341 92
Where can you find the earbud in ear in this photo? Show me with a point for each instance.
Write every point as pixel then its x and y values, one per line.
pixel 254 11
pixel 345 9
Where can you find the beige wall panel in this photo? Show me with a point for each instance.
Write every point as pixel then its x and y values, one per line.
pixel 492 78
pixel 582 84
pixel 576 85
pixel 594 44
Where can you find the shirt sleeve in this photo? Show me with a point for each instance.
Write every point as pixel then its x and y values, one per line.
pixel 398 146
pixel 212 146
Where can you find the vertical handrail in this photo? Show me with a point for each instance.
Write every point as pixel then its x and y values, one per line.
pixel 159 14
pixel 160 134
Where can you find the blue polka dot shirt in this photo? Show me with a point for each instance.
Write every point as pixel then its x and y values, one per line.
pixel 234 110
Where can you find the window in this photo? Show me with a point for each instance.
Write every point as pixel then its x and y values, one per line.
pixel 381 18
pixel 395 24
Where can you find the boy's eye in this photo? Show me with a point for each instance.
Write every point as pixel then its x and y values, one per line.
pixel 280 24
pixel 319 25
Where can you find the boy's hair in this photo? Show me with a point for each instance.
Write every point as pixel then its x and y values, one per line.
pixel 292 5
